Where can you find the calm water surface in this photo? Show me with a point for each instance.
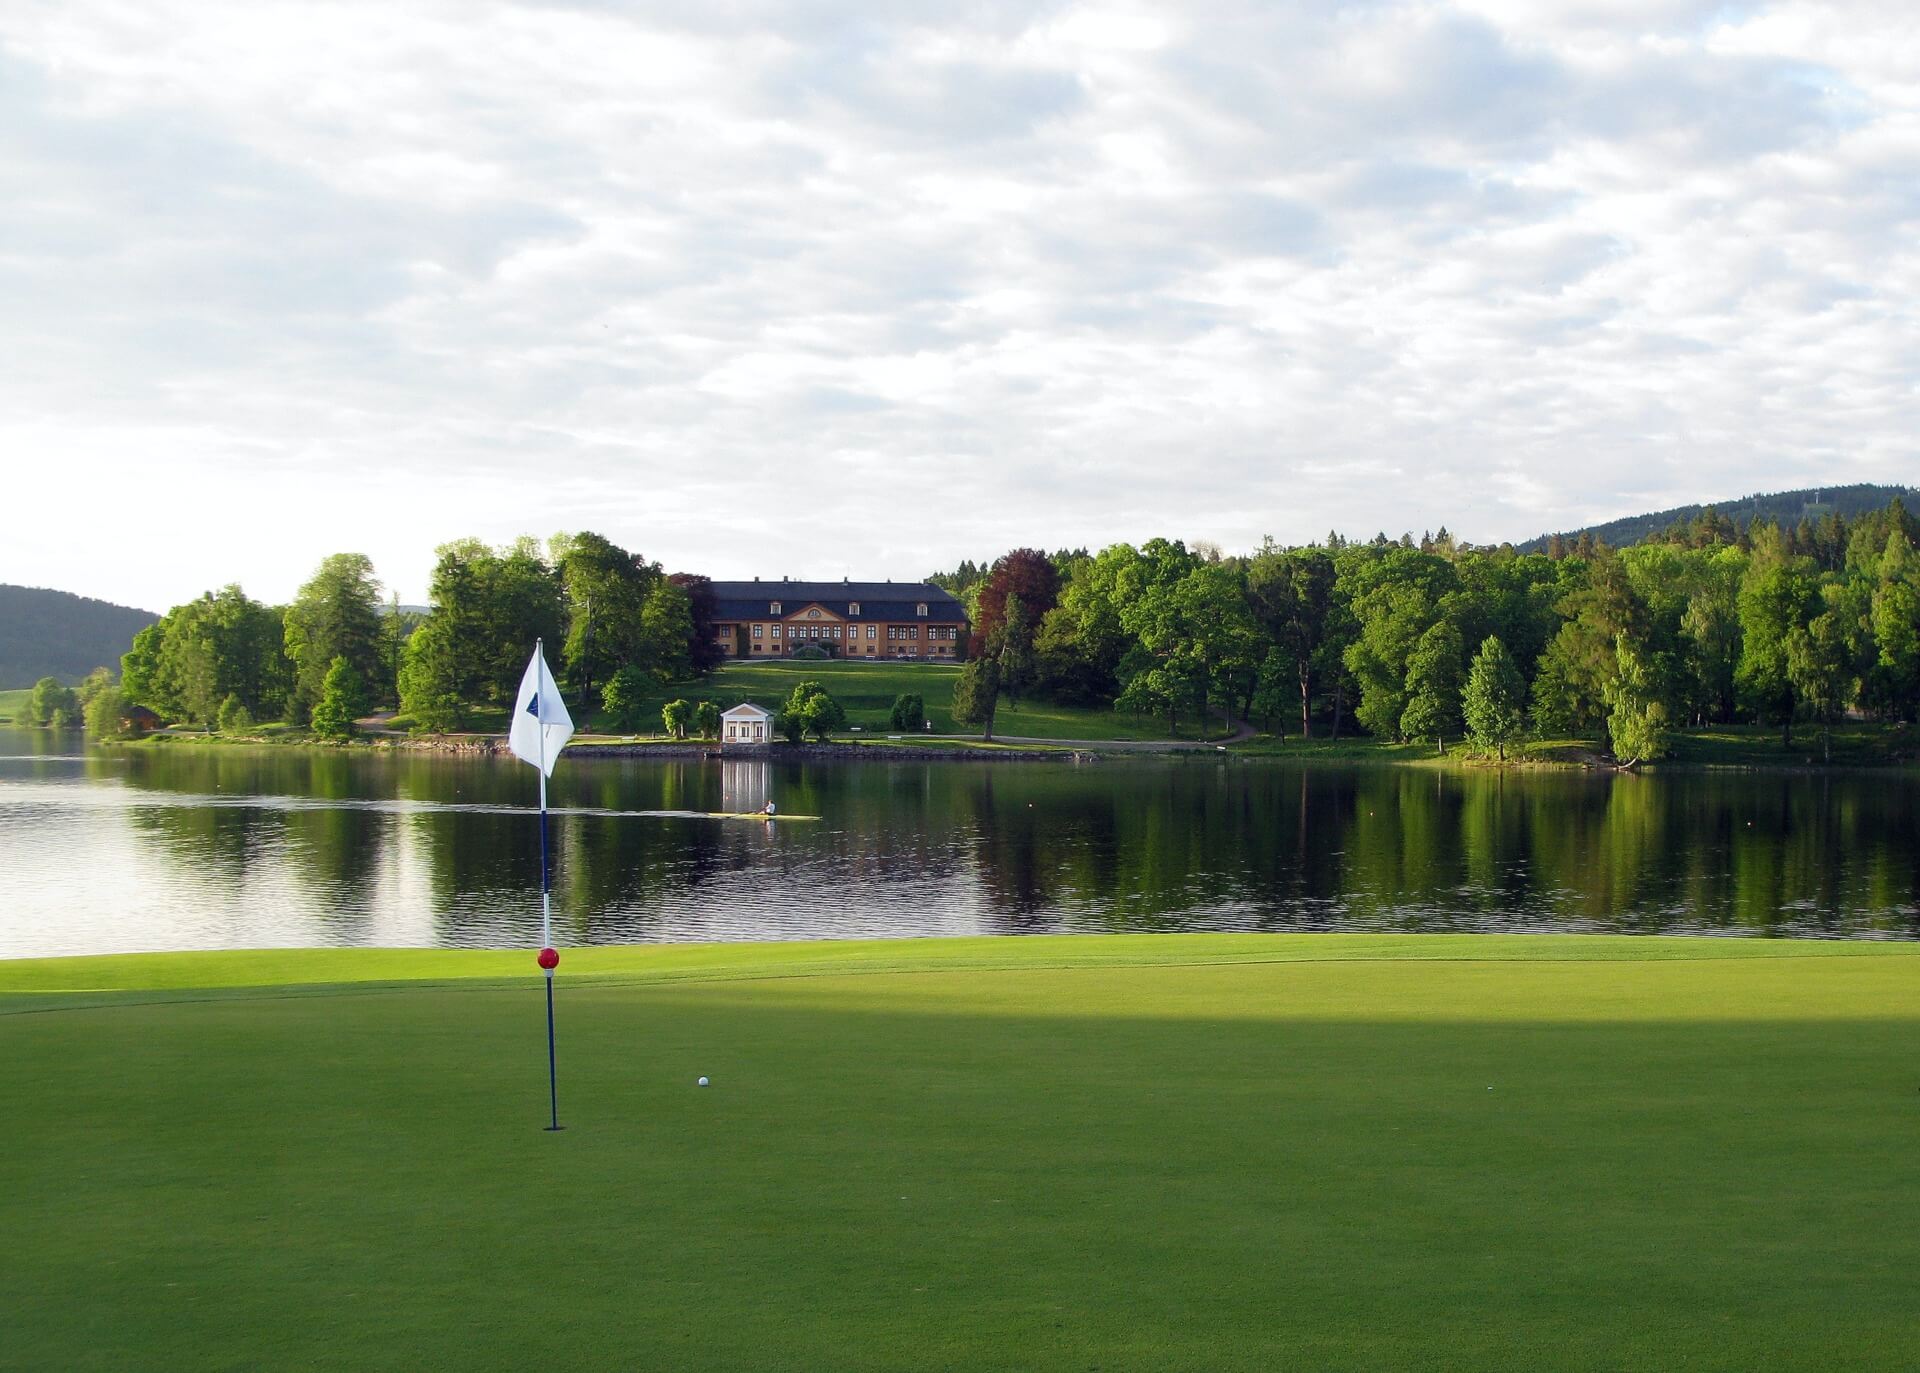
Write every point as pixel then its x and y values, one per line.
pixel 187 848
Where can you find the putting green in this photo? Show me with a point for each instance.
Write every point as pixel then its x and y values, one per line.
pixel 1148 1152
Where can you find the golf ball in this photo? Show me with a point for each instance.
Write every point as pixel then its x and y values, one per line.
pixel 703 1082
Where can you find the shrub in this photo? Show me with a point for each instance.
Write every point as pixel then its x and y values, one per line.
pixel 234 717
pixel 909 711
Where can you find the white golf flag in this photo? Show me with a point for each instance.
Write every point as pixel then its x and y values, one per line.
pixel 540 720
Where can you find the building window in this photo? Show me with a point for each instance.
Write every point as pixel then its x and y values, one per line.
pixel 756 631
pixel 913 631
pixel 872 630
pixel 774 609
pixel 776 631
pixel 854 609
pixel 921 610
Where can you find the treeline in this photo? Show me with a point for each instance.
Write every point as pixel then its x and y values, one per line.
pixel 337 651
pixel 1434 639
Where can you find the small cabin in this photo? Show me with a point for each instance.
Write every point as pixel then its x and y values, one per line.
pixel 138 720
pixel 746 724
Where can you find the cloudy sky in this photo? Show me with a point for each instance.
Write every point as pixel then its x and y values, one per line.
pixel 860 289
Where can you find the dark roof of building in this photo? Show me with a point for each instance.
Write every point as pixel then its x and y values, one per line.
pixel 877 600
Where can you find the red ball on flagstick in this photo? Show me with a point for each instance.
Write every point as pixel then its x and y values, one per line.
pixel 549 958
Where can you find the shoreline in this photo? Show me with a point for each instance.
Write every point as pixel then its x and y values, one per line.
pixel 1557 756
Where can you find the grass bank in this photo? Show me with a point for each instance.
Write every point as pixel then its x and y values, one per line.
pixel 12 703
pixel 1127 1152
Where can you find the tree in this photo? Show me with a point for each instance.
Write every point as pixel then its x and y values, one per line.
pixel 1433 686
pixel 676 715
pixel 92 685
pixel 105 711
pixel 489 608
pixel 1777 595
pixel 1494 701
pixel 1820 664
pixel 335 615
pixel 627 696
pixel 812 709
pixel 1291 594
pixel 909 712
pixel 606 598
pixel 666 632
pixel 706 720
pixel 976 696
pixel 1015 638
pixel 1637 716
pixel 50 702
pixel 430 677
pixel 343 699
pixel 704 653
pixel 1027 573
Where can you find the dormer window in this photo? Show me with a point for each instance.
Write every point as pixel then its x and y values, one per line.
pixel 921 610
pixel 774 609
pixel 853 608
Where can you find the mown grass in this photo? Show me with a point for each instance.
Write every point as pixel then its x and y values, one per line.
pixel 12 703
pixel 1150 1152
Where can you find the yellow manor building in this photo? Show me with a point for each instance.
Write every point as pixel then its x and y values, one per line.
pixel 848 619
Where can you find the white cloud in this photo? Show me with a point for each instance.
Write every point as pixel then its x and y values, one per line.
pixel 290 278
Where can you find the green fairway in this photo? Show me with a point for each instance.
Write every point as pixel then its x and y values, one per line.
pixel 1147 1152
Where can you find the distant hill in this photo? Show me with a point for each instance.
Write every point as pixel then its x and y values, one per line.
pixel 58 634
pixel 1780 507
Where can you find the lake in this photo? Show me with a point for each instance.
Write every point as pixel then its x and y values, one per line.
pixel 198 848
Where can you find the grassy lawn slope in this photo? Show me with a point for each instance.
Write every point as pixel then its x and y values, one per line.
pixel 1160 1152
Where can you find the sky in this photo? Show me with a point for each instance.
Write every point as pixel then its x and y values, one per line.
pixel 817 289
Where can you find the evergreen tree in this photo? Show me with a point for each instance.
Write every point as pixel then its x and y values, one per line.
pixel 343 699
pixel 335 615
pixel 976 696
pixel 1016 648
pixel 1494 700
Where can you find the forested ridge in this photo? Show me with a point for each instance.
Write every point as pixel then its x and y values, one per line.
pixel 1789 509
pixel 46 633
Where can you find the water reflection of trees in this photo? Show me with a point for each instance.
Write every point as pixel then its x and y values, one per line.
pixel 1252 847
pixel 1226 844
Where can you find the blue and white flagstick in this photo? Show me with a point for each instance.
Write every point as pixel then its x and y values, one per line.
pixel 541 727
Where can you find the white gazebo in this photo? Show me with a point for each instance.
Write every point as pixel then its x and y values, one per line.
pixel 746 724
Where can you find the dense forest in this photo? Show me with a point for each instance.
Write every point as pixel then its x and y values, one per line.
pixel 58 634
pixel 337 651
pixel 1710 621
